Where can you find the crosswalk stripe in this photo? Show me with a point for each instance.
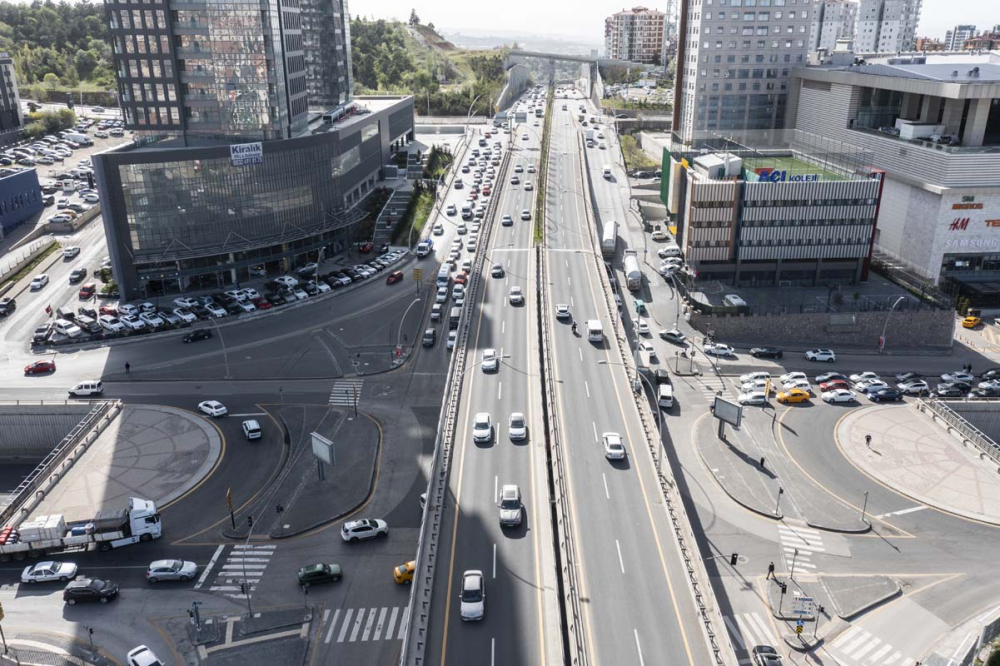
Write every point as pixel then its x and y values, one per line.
pixel 378 626
pixel 392 621
pixel 866 648
pixel 893 659
pixel 878 654
pixel 765 632
pixel 403 622
pixel 734 632
pixel 359 618
pixel 368 625
pixel 848 635
pixel 243 546
pixel 329 632
pixel 848 649
pixel 343 627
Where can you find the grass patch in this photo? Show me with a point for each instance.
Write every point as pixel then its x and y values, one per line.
pixel 793 165
pixel 417 211
pixel 543 169
pixel 23 273
pixel 634 156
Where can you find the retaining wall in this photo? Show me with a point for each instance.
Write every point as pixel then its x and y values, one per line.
pixel 33 430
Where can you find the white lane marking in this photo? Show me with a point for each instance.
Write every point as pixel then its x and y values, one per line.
pixel 493 651
pixel 581 354
pixel 499 390
pixel 569 280
pixel 496 489
pixel 494 560
pixel 503 327
pixel 251 414
pixel 962 647
pixel 638 647
pixel 211 563
pixel 903 512
pixel 567 262
pixel 329 632
pixel 606 493
pixel 595 431
pixel 586 386
pixel 621 562
pixel 346 625
pixel 982 618
pixel 572 303
pixel 326 616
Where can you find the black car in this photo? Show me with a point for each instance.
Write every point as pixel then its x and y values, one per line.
pixel 885 395
pixel 830 376
pixel 430 337
pixel 992 373
pixel 310 288
pixel 662 376
pixel 42 333
pixel 233 307
pixel 907 376
pixel 89 312
pixel 985 393
pixel 195 336
pixel 48 200
pixel 90 589
pixel 353 274
pixel 77 275
pixel 766 352
pixel 275 299
pixel 200 312
pixel 7 305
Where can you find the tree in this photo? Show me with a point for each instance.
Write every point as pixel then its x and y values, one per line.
pixel 51 80
pixel 85 62
pixel 414 19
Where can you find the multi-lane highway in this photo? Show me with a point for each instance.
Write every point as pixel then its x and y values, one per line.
pixel 521 624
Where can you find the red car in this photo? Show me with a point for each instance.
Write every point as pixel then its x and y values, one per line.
pixel 109 310
pixel 394 277
pixel 462 278
pixel 262 303
pixel 365 248
pixel 835 384
pixel 40 366
pixel 486 191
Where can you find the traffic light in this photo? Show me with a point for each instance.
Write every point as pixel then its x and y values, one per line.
pixel 69 100
pixel 733 558
pixel 249 521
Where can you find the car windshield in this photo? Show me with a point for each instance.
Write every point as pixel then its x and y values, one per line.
pixel 517 422
pixel 510 503
pixel 472 595
pixel 97 585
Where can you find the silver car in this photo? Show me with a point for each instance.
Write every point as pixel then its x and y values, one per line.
pixel 44 572
pixel 171 570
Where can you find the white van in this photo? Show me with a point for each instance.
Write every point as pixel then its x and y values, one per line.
pixel 670 250
pixel 251 429
pixel 444 274
pixel 90 387
pixel 607 172
pixel 595 332
pixel 68 328
pixel 665 396
pixel 423 249
pixel 466 211
pixel 734 300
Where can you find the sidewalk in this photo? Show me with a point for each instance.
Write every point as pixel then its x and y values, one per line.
pixel 916 457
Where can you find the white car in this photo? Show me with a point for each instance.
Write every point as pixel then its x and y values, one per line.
pixel 825 355
pixel 647 347
pixel 216 310
pixel 212 408
pixel 791 376
pixel 452 339
pixel 169 317
pixel 442 295
pixel 462 229
pixel 562 311
pixel 110 324
pixel 91 198
pixel 251 293
pixel 439 229
pixel 989 384
pixel 354 531
pixel 531 168
pixel 525 214
pixel 754 385
pixel 802 384
pixel 482 428
pixel 45 572
pixel 473 594
pixel 839 395
pixel 752 398
pixel 39 281
pixel 516 296
pixel 864 377
pixel 870 386
pixel 132 322
pixel 659 235
pixel 299 294
pixel 511 509
pixel 966 377
pixel 458 291
pixel 717 349
pixel 247 306
pixel 528 186
pixel 152 319
pixel 184 302
pixel 614 447
pixel 141 655
pixel 915 387
pixel 286 281
pixel 673 335
pixel 517 427
pixel 642 327
pixel 491 362
pixel 669 254
pixel 185 315
pixel 753 376
pixel 452 209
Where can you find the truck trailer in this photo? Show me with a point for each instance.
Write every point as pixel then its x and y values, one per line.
pixel 633 276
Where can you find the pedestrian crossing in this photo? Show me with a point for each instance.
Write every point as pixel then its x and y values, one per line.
pixel 749 629
pixel 353 625
pixel 799 544
pixel 245 565
pixel 346 392
pixel 859 647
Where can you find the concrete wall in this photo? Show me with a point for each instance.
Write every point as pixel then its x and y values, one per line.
pixel 929 328
pixel 518 78
pixel 984 415
pixel 33 430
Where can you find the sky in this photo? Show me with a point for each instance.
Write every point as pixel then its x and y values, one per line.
pixel 584 19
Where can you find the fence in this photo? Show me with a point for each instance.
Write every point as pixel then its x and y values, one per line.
pixel 14 261
pixel 421 594
pixel 959 424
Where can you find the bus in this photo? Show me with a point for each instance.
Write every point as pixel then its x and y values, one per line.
pixel 610 239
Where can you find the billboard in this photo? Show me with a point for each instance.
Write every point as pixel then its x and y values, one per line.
pixel 242 154
pixel 772 175
pixel 728 412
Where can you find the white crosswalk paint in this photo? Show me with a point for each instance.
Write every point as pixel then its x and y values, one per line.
pixel 250 560
pixel 749 629
pixel 858 647
pixel 367 625
pixel 346 391
pixel 806 541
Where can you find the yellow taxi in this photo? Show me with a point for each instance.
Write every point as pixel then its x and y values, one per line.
pixel 794 395
pixel 404 572
pixel 971 322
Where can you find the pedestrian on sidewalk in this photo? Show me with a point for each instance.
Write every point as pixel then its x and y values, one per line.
pixel 868 441
pixel 770 571
pixel 762 462
pixel 128 368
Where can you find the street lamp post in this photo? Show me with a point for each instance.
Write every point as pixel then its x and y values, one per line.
pixel 881 340
pixel 222 339
pixel 402 319
pixel 659 413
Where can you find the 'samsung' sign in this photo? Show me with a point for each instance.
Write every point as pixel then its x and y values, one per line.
pixel 769 175
pixel 242 154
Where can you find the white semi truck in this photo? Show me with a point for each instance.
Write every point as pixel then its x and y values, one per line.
pixel 633 276
pixel 106 530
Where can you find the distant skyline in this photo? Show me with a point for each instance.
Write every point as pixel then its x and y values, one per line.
pixel 584 19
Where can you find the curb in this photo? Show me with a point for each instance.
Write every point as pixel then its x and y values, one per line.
pixel 872 604
pixel 796 642
pixel 767 514
pixel 843 530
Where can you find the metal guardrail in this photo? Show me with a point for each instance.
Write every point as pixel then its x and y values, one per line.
pixel 572 608
pixel 56 456
pixel 722 649
pixel 979 439
pixel 428 548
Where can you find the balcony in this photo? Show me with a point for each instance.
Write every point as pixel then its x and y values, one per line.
pixel 932 145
